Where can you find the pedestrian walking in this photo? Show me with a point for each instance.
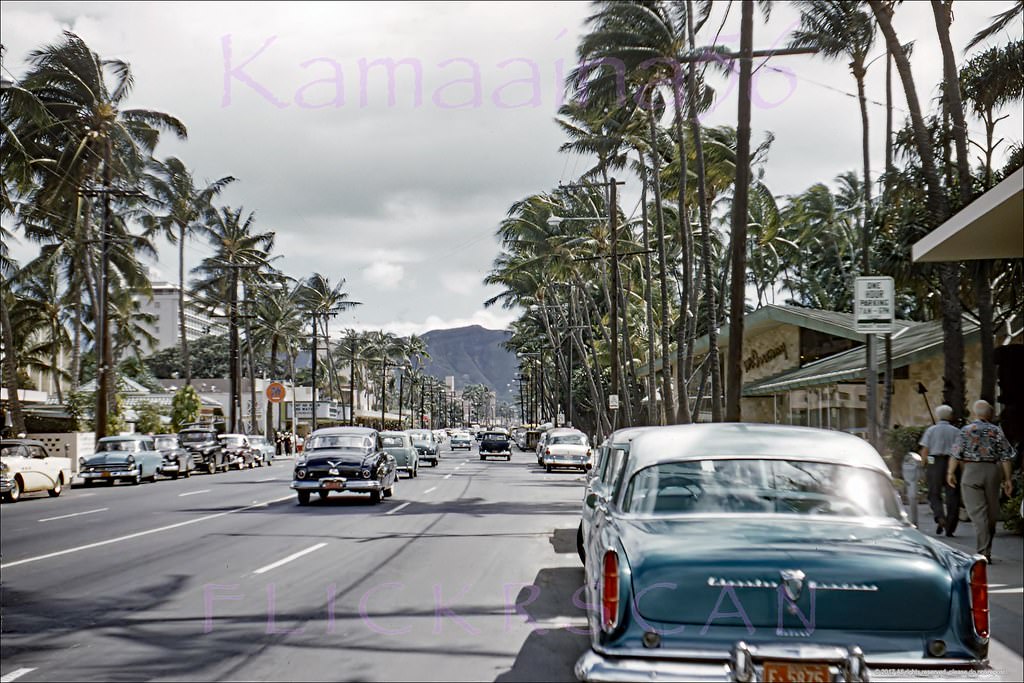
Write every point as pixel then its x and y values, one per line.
pixel 986 458
pixel 937 444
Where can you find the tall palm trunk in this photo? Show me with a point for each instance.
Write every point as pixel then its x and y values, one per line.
pixel 668 404
pixel 942 12
pixel 734 377
pixel 953 393
pixel 705 232
pixel 186 359
pixel 871 377
pixel 76 348
pixel 269 419
pixel 652 387
pixel 626 350
pixel 686 322
pixel 10 368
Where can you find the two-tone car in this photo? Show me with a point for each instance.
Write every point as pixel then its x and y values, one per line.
pixel 132 458
pixel 566 448
pixel 238 453
pixel 26 466
pixel 609 461
pixel 461 440
pixel 399 445
pixel 177 460
pixel 263 450
pixel 426 445
pixel 743 552
pixel 344 459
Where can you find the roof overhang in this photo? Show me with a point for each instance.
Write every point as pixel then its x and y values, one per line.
pixel 991 227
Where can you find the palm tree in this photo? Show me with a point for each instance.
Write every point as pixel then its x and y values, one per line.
pixel 181 204
pixel 953 387
pixel 86 136
pixel 1000 22
pixel 322 300
pixel 236 247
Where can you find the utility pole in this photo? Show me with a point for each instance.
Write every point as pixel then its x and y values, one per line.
pixel 234 357
pixel 314 373
pixel 105 362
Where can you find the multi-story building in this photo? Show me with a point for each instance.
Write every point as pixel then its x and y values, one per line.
pixel 163 306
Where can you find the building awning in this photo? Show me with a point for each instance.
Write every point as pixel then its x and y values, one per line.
pixel 909 346
pixel 991 227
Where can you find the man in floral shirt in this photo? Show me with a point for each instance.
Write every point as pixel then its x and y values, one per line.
pixel 986 456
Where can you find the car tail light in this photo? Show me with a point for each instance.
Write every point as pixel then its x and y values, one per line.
pixel 610 590
pixel 547 451
pixel 588 453
pixel 979 598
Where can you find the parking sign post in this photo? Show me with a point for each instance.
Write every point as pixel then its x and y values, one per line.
pixel 874 311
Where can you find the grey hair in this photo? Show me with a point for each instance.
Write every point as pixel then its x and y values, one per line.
pixel 983 409
pixel 944 412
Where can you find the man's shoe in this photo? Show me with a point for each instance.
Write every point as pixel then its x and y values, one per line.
pixel 949 534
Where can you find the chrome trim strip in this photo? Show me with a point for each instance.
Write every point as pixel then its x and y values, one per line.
pixel 719 582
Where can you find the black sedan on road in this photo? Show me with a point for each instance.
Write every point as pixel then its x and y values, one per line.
pixel 496 442
pixel 177 460
pixel 344 459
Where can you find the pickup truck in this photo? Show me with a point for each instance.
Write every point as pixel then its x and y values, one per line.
pixel 206 449
pixel 495 443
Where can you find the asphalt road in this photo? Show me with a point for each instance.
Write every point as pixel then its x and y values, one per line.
pixel 224 577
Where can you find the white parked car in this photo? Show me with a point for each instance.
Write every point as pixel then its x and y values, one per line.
pixel 566 448
pixel 25 466
pixel 265 450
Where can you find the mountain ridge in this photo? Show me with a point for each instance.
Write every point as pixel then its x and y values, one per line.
pixel 473 354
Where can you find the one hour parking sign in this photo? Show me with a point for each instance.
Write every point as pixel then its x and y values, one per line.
pixel 874 306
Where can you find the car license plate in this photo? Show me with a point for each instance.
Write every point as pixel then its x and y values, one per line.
pixel 333 485
pixel 788 672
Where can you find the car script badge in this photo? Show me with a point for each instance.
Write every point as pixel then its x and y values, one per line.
pixel 792 583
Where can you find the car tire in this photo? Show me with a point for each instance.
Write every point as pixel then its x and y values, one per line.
pixel 58 487
pixel 174 476
pixel 508 458
pixel 137 479
pixel 375 497
pixel 187 473
pixel 390 491
pixel 14 495
pixel 579 544
pixel 482 456
pixel 548 468
pixel 415 472
pixel 303 497
pixel 323 494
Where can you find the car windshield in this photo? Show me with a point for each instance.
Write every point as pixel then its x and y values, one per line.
pixel 392 441
pixel 195 437
pixel 233 441
pixel 569 439
pixel 760 486
pixel 12 450
pixel 126 446
pixel 256 440
pixel 165 442
pixel 338 441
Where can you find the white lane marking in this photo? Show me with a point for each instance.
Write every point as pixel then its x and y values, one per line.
pixel 449 475
pixel 139 534
pixel 16 674
pixel 1010 591
pixel 432 488
pixel 84 495
pixel 286 560
pixel 192 493
pixel 264 481
pixel 73 514
pixel 400 507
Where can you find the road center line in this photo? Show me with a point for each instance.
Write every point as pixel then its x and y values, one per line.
pixel 139 534
pixel 16 674
pixel 264 481
pixel 432 488
pixel 286 560
pixel 449 475
pixel 192 493
pixel 403 505
pixel 73 514
pixel 84 495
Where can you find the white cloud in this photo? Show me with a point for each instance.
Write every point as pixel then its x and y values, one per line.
pixel 384 275
pixel 461 281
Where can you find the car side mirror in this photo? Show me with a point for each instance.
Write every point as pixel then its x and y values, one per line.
pixel 592 500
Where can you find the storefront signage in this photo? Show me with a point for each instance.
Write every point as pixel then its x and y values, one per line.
pixel 758 359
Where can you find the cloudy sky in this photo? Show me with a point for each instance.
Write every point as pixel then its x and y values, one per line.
pixel 399 188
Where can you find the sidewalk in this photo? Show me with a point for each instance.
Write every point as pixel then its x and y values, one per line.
pixel 1007 548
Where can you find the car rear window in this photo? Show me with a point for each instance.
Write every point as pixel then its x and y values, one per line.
pixel 569 439
pixel 392 441
pixel 760 486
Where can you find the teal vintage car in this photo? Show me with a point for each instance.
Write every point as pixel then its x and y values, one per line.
pixel 132 458
pixel 399 445
pixel 760 552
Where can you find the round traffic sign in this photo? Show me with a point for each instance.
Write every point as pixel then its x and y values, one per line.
pixel 276 392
